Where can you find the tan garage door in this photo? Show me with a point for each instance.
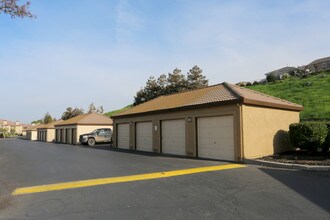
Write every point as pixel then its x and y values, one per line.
pixel 216 137
pixel 123 136
pixel 174 137
pixel 144 136
pixel 74 136
pixel 58 135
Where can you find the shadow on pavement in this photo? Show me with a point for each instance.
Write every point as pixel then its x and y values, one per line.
pixel 144 153
pixel 314 186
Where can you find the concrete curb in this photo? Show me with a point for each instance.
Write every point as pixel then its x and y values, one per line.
pixel 287 165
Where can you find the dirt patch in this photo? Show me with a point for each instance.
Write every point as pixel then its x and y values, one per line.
pixel 300 157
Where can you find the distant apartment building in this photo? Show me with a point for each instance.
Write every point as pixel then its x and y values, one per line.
pixel 8 126
pixel 318 65
pixel 281 72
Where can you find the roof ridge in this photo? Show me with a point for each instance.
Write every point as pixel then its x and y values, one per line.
pixel 266 95
pixel 232 90
pixel 178 93
pixel 193 89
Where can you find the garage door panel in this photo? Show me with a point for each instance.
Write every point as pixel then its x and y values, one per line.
pixel 144 136
pixel 216 137
pixel 123 136
pixel 174 137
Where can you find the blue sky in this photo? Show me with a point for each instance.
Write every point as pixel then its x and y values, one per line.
pixel 82 51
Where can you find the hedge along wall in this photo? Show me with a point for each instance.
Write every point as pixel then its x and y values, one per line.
pixel 309 135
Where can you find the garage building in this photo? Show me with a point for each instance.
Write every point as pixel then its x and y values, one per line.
pixel 224 122
pixel 68 131
pixel 32 133
pixel 47 132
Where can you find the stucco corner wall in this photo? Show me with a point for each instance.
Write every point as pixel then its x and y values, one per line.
pixel 265 130
pixel 50 135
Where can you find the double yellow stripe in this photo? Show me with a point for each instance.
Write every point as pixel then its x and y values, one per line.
pixel 103 181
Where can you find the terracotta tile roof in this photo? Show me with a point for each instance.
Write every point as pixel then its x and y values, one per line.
pixel 87 119
pixel 253 97
pixel 50 125
pixel 34 128
pixel 221 93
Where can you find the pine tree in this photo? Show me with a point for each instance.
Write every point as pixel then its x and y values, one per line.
pixel 91 108
pixel 47 118
pixel 176 82
pixel 196 79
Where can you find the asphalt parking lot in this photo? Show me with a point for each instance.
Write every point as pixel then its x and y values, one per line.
pixel 250 192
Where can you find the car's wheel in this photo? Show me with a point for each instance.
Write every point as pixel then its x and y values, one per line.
pixel 91 142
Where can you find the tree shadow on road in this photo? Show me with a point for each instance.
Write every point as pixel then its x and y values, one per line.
pixel 312 185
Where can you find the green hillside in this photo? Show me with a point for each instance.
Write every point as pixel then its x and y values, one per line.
pixel 118 110
pixel 312 92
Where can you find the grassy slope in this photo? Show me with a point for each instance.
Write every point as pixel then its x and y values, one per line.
pixel 118 110
pixel 314 98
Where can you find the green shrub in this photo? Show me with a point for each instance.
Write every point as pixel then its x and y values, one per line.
pixel 271 77
pixel 327 139
pixel 308 135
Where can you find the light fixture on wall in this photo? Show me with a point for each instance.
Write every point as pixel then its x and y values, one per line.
pixel 189 119
pixel 131 123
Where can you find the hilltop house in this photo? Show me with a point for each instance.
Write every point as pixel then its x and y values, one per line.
pixel 281 72
pixel 318 65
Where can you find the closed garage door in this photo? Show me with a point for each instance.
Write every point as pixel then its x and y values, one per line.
pixel 144 136
pixel 216 137
pixel 74 136
pixel 123 136
pixel 174 137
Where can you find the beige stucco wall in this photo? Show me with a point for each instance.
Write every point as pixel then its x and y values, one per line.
pixel 265 130
pixel 18 129
pixel 32 135
pixel 191 127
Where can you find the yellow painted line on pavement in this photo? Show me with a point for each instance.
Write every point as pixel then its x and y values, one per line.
pixel 121 179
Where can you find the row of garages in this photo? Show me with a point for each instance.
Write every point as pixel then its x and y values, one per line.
pixel 68 131
pixel 215 136
pixel 224 122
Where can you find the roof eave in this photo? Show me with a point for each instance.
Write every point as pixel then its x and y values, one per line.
pixel 228 102
pixel 272 105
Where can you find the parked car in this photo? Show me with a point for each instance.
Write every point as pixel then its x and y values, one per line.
pixel 102 135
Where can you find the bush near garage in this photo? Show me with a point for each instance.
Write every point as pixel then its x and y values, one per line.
pixel 327 139
pixel 308 135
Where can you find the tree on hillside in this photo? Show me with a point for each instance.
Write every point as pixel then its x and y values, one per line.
pixel 172 83
pixel 91 108
pixel 47 118
pixel 176 82
pixel 162 84
pixel 39 121
pixel 195 78
pixel 70 113
pixel 100 110
pixel 271 77
pixel 12 8
pixel 140 97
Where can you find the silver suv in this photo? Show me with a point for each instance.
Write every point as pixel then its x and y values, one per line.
pixel 102 135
